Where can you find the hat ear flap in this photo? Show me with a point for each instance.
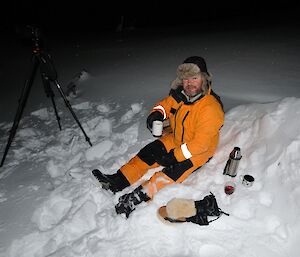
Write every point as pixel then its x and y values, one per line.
pixel 176 83
pixel 206 82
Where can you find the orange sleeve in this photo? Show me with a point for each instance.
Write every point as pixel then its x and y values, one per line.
pixel 164 106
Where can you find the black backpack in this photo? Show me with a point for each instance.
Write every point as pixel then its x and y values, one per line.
pixel 206 207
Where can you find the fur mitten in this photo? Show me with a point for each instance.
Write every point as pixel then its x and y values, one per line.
pixel 180 208
pixel 177 210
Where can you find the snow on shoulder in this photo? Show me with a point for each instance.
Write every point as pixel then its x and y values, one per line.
pixel 78 217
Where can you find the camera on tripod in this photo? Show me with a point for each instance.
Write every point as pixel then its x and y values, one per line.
pixel 35 37
pixel 40 60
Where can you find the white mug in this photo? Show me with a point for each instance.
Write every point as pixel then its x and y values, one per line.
pixel 247 180
pixel 157 128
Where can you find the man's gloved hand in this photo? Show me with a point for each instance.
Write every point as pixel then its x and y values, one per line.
pixel 168 159
pixel 156 115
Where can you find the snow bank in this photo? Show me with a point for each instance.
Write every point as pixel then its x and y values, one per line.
pixel 78 218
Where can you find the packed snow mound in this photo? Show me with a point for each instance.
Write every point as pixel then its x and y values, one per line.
pixel 78 217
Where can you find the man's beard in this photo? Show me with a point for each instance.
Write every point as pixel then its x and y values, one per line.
pixel 192 93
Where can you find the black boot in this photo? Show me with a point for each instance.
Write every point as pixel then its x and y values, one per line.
pixel 128 202
pixel 115 182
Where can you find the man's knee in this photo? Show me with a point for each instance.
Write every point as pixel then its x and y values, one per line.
pixel 177 170
pixel 151 152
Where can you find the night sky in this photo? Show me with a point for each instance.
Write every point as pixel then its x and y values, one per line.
pixel 88 16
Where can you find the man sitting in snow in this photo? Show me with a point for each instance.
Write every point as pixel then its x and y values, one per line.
pixel 196 115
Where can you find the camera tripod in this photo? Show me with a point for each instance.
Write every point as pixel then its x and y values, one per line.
pixel 40 60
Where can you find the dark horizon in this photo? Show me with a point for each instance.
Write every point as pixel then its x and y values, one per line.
pixel 54 16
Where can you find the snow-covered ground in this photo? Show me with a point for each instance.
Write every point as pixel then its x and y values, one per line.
pixel 50 205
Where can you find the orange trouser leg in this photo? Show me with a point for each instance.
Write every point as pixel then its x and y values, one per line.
pixel 176 174
pixel 135 169
pixel 158 181
pixel 146 159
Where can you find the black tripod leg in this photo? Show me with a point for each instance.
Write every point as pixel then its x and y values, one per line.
pixel 21 106
pixel 71 110
pixel 56 113
pixel 49 93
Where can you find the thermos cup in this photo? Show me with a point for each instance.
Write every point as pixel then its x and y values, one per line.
pixel 233 162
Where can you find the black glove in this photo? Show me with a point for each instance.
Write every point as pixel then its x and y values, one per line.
pixel 168 159
pixel 156 115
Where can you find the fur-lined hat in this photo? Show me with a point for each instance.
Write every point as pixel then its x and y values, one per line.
pixel 190 67
pixel 199 61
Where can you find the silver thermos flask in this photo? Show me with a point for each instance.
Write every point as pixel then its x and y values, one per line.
pixel 233 162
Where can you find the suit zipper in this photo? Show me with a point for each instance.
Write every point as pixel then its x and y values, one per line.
pixel 183 126
pixel 175 125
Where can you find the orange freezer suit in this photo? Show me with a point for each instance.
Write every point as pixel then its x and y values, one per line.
pixel 194 137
